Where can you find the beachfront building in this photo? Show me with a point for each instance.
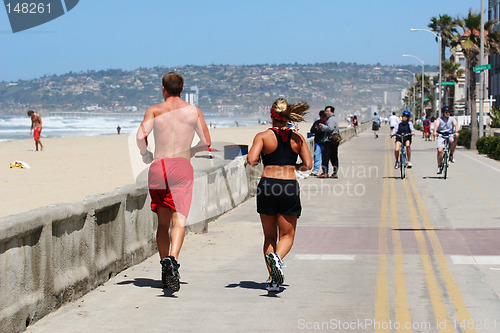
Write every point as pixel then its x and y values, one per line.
pixel 190 95
pixel 459 94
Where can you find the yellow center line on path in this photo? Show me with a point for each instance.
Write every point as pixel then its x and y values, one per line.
pixel 402 310
pixel 461 311
pixel 382 309
pixel 435 293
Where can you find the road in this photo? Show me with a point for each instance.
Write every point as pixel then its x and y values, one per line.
pixel 373 253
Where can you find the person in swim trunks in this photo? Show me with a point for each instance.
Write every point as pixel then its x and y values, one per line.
pixel 278 193
pixel 36 128
pixel 173 123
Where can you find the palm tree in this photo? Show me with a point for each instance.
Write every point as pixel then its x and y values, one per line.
pixel 470 41
pixel 451 73
pixel 446 27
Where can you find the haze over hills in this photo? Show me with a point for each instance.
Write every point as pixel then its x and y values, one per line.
pixel 350 87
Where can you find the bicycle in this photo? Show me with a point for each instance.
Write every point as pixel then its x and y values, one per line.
pixel 403 155
pixel 446 155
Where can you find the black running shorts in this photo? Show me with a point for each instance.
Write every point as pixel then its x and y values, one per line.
pixel 278 196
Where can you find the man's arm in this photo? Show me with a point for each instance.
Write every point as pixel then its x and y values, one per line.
pixel 142 135
pixel 329 127
pixel 202 131
pixel 455 126
pixel 436 125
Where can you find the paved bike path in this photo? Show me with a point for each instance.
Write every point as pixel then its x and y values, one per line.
pixel 356 244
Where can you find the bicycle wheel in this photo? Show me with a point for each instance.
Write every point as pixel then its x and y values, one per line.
pixel 402 161
pixel 444 164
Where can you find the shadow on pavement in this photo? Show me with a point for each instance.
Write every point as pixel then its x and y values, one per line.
pixel 142 282
pixel 248 285
pixel 257 286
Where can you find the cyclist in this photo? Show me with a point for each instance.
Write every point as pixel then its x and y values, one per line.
pixel 405 126
pixel 445 125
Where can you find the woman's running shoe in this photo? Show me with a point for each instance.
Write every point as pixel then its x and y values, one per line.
pixel 276 264
pixel 272 286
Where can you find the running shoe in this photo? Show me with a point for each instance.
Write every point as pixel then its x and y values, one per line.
pixel 408 165
pixel 396 165
pixel 272 286
pixel 275 263
pixel 170 273
pixel 439 171
pixel 452 159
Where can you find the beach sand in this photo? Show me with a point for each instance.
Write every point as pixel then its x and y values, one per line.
pixel 70 169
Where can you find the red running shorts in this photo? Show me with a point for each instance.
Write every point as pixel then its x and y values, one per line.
pixel 171 184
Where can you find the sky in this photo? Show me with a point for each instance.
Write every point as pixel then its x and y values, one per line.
pixel 126 34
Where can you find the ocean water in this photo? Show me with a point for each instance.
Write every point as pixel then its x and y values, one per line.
pixel 17 128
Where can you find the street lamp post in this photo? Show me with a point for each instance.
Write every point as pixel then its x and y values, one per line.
pixel 440 39
pixel 422 62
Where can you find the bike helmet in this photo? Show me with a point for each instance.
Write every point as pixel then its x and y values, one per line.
pixel 406 113
pixel 444 108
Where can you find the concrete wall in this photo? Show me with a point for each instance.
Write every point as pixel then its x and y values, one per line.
pixel 56 254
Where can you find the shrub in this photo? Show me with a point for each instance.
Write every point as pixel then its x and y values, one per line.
pixel 418 127
pixel 480 144
pixel 464 138
pixel 489 145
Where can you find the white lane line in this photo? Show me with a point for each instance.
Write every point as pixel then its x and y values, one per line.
pixel 479 161
pixel 325 256
pixel 475 260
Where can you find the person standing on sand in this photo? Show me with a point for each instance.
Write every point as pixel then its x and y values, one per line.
pixel 36 128
pixel 173 123
pixel 278 193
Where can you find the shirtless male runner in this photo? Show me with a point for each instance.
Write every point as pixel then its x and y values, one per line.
pixel 174 123
pixel 36 128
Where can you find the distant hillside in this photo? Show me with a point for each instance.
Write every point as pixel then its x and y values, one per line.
pixel 347 86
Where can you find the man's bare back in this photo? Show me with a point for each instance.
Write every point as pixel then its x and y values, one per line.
pixel 174 123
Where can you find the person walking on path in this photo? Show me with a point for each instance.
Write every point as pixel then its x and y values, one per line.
pixel 427 129
pixel 319 142
pixel 173 123
pixel 331 146
pixel 393 121
pixel 36 128
pixel 376 120
pixel 278 192
pixel 355 125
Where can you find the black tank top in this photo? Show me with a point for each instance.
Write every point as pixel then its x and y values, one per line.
pixel 284 154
